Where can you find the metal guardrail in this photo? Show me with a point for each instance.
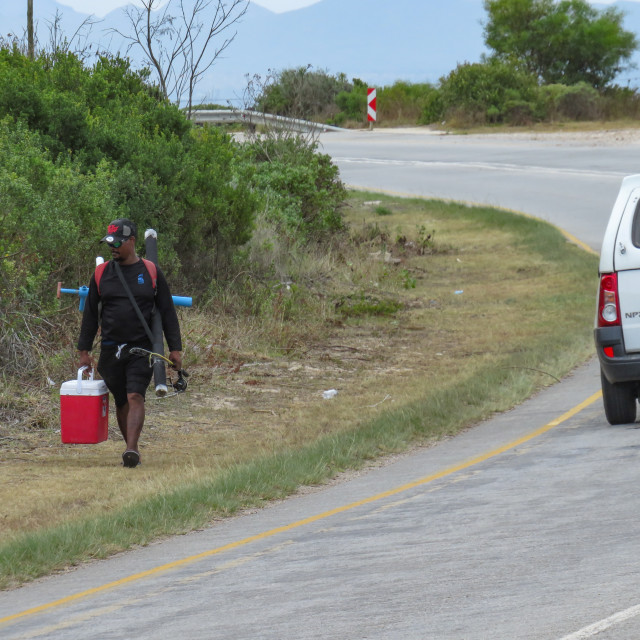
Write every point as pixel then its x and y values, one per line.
pixel 255 118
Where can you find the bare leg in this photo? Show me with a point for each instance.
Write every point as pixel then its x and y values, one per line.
pixel 135 420
pixel 130 420
pixel 121 414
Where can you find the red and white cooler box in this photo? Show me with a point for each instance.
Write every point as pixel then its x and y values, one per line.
pixel 84 410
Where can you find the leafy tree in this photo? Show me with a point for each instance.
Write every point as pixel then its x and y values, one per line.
pixel 562 42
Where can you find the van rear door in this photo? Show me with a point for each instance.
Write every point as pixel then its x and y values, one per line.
pixel 627 264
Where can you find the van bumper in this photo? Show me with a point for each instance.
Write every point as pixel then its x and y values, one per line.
pixel 623 366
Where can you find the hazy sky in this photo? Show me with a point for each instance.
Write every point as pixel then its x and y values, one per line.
pixel 100 8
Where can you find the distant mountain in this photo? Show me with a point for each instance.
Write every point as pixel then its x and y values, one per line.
pixel 375 40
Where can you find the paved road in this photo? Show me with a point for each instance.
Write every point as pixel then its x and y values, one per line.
pixel 571 182
pixel 523 527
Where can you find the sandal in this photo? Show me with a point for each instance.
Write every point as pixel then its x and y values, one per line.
pixel 130 458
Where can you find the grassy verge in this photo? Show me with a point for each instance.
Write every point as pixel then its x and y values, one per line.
pixel 430 318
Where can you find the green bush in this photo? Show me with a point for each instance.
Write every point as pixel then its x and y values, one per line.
pixel 352 106
pixel 403 101
pixel 547 103
pixel 560 102
pixel 480 93
pixel 433 109
pixel 107 121
pixel 219 206
pixel 518 113
pixel 80 146
pixel 301 93
pixel 620 102
pixel 579 102
pixel 49 212
pixel 300 188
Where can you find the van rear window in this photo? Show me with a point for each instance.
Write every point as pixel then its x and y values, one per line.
pixel 635 227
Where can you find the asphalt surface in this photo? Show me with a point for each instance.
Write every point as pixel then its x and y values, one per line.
pixel 522 527
pixel 569 181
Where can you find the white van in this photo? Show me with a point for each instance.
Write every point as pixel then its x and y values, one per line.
pixel 617 325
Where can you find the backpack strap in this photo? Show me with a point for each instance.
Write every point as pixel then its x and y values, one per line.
pixel 98 273
pixel 153 271
pixel 151 268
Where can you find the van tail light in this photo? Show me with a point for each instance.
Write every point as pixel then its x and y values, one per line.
pixel 608 306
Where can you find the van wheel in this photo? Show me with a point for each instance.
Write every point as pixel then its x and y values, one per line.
pixel 619 401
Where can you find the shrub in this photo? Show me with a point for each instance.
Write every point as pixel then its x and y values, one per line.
pixel 547 103
pixel 403 101
pixel 479 93
pixel 579 102
pixel 300 92
pixel 300 188
pixel 433 109
pixel 518 113
pixel 161 173
pixel 219 207
pixel 81 146
pixel 620 102
pixel 560 102
pixel 352 106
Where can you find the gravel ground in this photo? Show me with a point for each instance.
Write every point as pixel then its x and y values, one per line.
pixel 604 137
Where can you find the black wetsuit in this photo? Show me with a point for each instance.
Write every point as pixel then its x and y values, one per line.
pixel 120 323
pixel 122 371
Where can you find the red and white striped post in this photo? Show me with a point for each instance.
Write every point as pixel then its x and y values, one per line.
pixel 371 106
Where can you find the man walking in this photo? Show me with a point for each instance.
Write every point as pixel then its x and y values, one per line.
pixel 127 375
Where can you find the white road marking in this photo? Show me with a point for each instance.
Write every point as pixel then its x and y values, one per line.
pixel 487 166
pixel 603 625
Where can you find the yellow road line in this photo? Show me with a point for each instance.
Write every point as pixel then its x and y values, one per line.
pixel 300 523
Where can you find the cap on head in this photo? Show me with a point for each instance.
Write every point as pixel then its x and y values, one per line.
pixel 121 229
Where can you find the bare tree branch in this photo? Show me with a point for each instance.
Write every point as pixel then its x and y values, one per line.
pixel 264 134
pixel 177 40
pixel 78 43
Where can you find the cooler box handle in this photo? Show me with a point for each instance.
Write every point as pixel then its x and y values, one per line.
pixel 79 381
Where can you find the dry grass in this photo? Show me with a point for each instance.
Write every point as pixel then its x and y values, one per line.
pixel 257 381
